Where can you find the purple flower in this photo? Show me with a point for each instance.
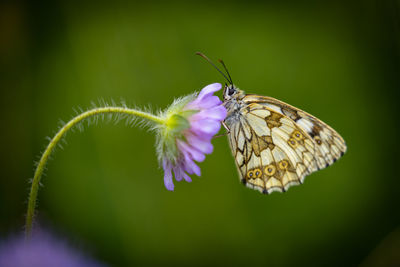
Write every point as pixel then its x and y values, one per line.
pixel 42 250
pixel 197 120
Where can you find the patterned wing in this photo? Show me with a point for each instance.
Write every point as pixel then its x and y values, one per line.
pixel 271 151
pixel 329 145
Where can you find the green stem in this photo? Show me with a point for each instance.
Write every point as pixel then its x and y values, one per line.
pixel 53 143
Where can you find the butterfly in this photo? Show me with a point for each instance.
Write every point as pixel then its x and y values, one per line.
pixel 275 145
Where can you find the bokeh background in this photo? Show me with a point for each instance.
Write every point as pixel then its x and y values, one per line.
pixel 338 60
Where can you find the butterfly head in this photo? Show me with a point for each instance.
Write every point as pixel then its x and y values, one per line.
pixel 231 91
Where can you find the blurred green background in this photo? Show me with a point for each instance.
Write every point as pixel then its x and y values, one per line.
pixel 338 60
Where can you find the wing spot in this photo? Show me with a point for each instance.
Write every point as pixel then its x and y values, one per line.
pixel 270 170
pixel 293 142
pixel 257 173
pixel 297 135
pixel 283 164
pixel 318 140
pixel 250 174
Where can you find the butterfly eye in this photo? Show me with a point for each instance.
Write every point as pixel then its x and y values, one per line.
pixel 231 91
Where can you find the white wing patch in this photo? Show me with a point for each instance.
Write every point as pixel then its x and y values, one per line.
pixel 305 124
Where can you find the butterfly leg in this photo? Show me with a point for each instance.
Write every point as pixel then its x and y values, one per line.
pixel 226 127
pixel 227 131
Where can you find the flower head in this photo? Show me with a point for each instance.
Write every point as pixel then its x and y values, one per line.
pixel 42 250
pixel 192 122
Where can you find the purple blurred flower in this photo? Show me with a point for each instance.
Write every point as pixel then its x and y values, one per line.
pixel 42 250
pixel 197 119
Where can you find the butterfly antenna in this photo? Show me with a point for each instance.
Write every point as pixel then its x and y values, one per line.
pixel 226 69
pixel 209 61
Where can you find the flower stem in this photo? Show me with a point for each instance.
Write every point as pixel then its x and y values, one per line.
pixel 53 143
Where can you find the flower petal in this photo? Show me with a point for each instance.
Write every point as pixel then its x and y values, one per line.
pixel 217 113
pixel 209 90
pixel 178 173
pixel 200 144
pixel 194 168
pixel 191 167
pixel 194 153
pixel 205 103
pixel 186 177
pixel 205 127
pixel 168 176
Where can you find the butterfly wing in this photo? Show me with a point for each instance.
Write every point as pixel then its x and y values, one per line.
pixel 272 151
pixel 329 145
